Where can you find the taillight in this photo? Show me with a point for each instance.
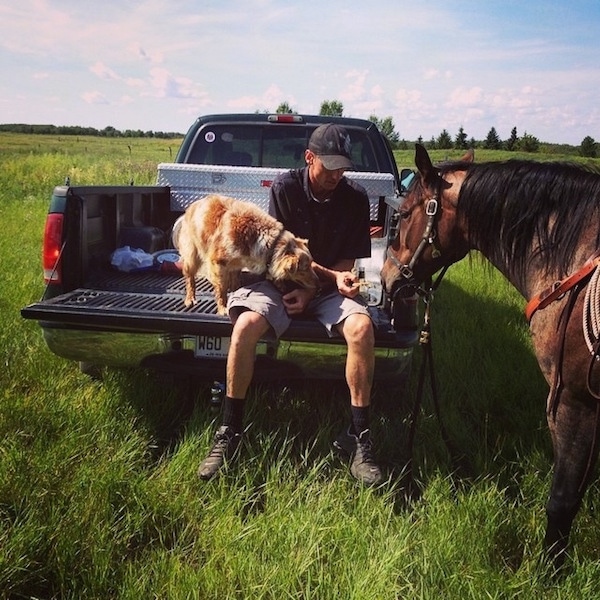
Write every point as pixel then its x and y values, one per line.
pixel 52 248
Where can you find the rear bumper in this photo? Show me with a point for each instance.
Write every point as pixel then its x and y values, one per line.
pixel 285 360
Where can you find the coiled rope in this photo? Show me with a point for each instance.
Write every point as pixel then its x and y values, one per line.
pixel 591 313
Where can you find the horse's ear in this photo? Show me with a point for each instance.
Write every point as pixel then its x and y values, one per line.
pixel 468 156
pixel 429 173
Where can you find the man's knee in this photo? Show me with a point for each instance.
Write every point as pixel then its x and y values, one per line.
pixel 249 325
pixel 358 329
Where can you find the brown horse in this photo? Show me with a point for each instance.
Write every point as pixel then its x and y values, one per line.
pixel 539 224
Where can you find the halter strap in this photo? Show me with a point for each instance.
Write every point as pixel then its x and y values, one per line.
pixel 557 289
pixel 431 210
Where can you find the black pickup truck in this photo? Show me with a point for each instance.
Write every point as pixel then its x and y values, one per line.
pixel 101 311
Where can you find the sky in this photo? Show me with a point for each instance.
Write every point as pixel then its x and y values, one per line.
pixel 159 64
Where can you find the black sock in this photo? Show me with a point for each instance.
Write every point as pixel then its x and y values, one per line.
pixel 360 419
pixel 233 413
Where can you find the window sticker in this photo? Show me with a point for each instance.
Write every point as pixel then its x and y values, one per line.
pixel 210 137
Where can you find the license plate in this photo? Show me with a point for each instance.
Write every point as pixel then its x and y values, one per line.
pixel 210 346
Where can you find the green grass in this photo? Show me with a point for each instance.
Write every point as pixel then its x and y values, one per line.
pixel 98 493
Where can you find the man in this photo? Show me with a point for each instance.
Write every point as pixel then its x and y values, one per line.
pixel 318 203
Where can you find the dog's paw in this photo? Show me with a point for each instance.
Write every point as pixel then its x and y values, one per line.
pixel 221 310
pixel 190 302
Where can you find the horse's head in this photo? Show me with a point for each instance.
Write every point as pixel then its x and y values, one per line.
pixel 429 233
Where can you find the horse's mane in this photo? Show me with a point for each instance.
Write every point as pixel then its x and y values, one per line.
pixel 510 204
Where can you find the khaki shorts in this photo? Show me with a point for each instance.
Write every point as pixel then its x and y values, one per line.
pixel 265 299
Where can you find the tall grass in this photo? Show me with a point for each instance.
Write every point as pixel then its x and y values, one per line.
pixel 98 493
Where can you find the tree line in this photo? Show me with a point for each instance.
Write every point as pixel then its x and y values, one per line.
pixel 444 141
pixel 78 130
pixel 524 143
pixel 461 141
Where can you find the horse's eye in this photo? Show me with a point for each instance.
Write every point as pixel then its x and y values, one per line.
pixel 404 214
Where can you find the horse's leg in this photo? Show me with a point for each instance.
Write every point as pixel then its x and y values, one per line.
pixel 573 430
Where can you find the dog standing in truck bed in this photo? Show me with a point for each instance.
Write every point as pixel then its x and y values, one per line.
pixel 221 236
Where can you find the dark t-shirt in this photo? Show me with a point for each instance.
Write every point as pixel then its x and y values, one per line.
pixel 336 229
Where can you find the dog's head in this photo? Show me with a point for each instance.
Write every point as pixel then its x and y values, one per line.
pixel 292 262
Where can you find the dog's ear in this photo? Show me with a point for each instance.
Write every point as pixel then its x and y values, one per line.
pixel 302 243
pixel 304 261
pixel 290 264
pixel 285 267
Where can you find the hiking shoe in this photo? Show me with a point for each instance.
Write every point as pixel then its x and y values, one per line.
pixel 360 449
pixel 224 449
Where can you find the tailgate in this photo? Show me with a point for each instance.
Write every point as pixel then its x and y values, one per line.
pixel 153 302
pixel 133 302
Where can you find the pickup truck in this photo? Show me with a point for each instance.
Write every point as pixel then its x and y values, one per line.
pixel 99 314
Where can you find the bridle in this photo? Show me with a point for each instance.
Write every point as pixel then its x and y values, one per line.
pixel 432 209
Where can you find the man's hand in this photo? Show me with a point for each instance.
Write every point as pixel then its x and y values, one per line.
pixel 296 301
pixel 347 283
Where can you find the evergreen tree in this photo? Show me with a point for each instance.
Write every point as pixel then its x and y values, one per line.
pixel 528 143
pixel 460 141
pixel 511 143
pixel 492 141
pixel 444 141
pixel 589 147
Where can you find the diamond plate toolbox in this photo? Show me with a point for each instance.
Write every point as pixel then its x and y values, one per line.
pixel 188 183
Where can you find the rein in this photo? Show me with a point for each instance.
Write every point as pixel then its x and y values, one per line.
pixel 432 207
pixel 426 368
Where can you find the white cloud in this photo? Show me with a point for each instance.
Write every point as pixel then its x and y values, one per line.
pixel 464 97
pixel 95 98
pixel 166 85
pixel 270 99
pixel 103 72
pixel 135 82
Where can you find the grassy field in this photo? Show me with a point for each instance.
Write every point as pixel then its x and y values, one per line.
pixel 98 493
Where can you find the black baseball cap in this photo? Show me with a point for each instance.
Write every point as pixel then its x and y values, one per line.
pixel 331 143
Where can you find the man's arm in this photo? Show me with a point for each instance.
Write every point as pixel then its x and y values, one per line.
pixel 341 275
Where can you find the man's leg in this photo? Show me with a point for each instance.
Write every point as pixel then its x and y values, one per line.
pixel 357 330
pixel 248 328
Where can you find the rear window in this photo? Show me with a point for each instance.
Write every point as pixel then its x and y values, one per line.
pixel 268 146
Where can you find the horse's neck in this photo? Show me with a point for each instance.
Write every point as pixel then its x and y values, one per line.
pixel 537 277
pixel 523 287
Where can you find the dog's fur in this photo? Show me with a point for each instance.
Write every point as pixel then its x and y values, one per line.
pixel 222 236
